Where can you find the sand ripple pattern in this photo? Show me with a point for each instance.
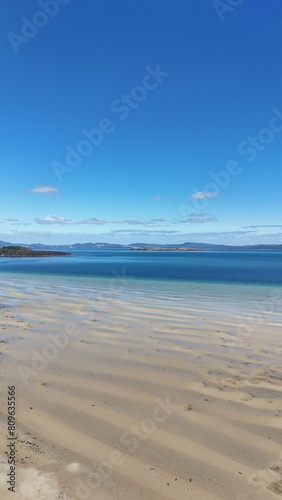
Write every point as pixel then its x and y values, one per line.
pixel 161 394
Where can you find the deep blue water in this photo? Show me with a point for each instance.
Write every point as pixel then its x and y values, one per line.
pixel 238 267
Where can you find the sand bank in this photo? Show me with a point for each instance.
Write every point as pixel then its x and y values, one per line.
pixel 141 397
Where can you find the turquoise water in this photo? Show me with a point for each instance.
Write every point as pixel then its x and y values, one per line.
pixel 226 267
pixel 227 284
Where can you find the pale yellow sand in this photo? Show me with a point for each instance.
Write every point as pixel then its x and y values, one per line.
pixel 165 393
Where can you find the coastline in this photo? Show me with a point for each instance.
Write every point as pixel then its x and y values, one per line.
pixel 14 252
pixel 129 359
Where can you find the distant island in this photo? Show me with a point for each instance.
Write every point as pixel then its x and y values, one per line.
pixel 165 249
pixel 188 245
pixel 17 251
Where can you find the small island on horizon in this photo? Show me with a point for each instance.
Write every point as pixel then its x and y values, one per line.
pixel 167 249
pixel 19 251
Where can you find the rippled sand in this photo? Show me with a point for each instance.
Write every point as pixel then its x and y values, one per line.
pixel 150 395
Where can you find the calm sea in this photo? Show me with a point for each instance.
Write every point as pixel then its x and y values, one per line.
pixel 218 281
pixel 226 267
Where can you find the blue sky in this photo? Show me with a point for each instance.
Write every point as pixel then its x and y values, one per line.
pixel 141 121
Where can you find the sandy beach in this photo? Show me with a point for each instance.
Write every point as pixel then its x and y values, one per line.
pixel 141 396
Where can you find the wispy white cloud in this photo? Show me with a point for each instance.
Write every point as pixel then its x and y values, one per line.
pixel 16 222
pixel 50 190
pixel 197 214
pixel 195 218
pixel 21 224
pixel 55 219
pixel 200 195
pixel 141 232
pixel 130 235
pixel 266 225
pixel 201 220
pixel 157 197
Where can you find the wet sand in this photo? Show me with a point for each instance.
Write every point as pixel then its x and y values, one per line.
pixel 141 396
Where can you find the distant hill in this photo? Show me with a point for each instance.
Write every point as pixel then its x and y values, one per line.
pixel 207 246
pixel 109 246
pixel 80 246
pixel 4 244
pixel 187 244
